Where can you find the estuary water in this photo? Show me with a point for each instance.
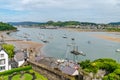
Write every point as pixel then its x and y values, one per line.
pixel 90 45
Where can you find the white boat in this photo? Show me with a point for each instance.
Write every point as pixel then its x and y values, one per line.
pixel 64 36
pixel 43 39
pixel 117 50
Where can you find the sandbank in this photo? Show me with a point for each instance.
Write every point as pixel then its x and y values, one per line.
pixel 111 38
pixel 21 44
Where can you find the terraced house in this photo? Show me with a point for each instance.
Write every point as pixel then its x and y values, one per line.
pixel 3 61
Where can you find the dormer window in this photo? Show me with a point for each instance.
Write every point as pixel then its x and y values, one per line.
pixel 1 55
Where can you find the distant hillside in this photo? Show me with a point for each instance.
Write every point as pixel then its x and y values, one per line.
pixel 114 23
pixel 59 23
pixel 24 23
pixel 67 23
pixel 52 23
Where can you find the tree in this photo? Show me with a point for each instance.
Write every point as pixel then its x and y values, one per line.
pixel 111 67
pixel 85 63
pixel 5 26
pixel 9 49
pixel 111 76
pixel 50 22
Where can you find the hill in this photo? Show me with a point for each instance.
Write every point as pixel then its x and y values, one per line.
pixel 6 26
pixel 51 23
pixel 24 23
pixel 114 23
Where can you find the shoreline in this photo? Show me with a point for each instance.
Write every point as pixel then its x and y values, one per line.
pixel 82 30
pixel 38 47
pixel 21 44
pixel 110 38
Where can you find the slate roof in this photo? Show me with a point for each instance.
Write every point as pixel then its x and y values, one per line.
pixel 48 61
pixel 19 56
pixel 68 70
pixel 66 66
pixel 13 63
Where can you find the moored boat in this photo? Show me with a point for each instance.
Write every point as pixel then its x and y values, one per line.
pixel 117 50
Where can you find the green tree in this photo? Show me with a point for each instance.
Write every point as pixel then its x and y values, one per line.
pixel 111 67
pixel 111 76
pixel 117 71
pixel 9 49
pixel 50 23
pixel 85 63
pixel 5 26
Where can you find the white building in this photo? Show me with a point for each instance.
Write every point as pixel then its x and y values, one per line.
pixel 19 57
pixel 3 60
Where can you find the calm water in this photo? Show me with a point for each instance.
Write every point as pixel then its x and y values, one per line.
pixel 57 46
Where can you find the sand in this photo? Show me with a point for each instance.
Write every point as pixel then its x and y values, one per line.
pixel 115 39
pixel 21 44
pixel 111 38
pixel 82 30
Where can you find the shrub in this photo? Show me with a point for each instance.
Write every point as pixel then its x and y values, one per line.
pixel 9 49
pixel 15 70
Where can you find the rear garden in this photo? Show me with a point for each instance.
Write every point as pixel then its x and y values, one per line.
pixel 22 73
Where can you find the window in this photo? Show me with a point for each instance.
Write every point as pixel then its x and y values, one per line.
pixel 2 62
pixel 1 55
pixel 2 68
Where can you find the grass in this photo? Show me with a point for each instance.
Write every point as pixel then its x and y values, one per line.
pixel 17 77
pixel 39 77
pixel 26 76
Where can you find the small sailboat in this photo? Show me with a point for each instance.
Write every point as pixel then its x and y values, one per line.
pixel 43 39
pixel 64 36
pixel 72 38
pixel 89 42
pixel 75 51
pixel 117 50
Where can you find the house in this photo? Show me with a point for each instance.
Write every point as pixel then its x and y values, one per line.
pixel 3 61
pixel 13 64
pixel 69 67
pixel 20 57
pixel 69 70
pixel 66 67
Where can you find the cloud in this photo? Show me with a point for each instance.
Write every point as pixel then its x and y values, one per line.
pixel 68 9
pixel 63 4
pixel 58 4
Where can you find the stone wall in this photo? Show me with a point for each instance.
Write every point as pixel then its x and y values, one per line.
pixel 48 72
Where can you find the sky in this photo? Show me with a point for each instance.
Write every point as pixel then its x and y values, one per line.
pixel 98 11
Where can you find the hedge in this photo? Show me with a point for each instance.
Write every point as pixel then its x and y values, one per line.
pixel 15 70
